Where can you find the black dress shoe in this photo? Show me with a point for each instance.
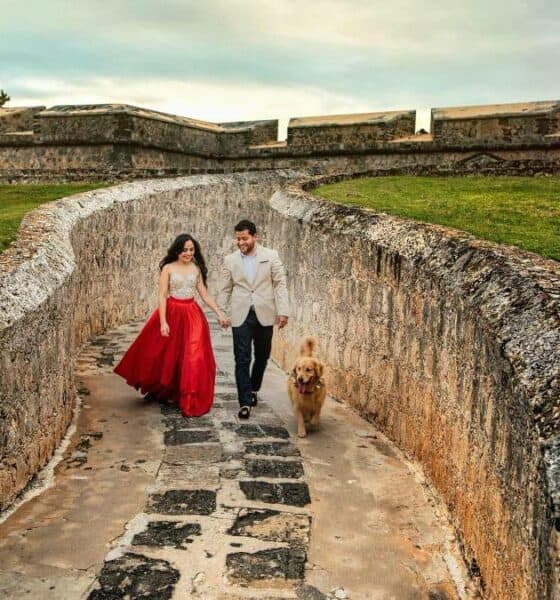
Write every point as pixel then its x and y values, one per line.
pixel 254 399
pixel 244 412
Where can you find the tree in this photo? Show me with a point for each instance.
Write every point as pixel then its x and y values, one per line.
pixel 3 98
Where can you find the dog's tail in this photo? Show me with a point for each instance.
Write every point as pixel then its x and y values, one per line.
pixel 307 346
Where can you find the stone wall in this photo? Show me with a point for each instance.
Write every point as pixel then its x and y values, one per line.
pixel 15 120
pixel 78 267
pixel 449 344
pixel 505 123
pixel 32 163
pixel 254 133
pixel 123 124
pixel 64 143
pixel 452 347
pixel 341 132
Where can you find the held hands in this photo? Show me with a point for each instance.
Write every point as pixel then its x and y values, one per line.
pixel 281 321
pixel 164 329
pixel 223 320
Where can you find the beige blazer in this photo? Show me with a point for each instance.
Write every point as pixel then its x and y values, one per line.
pixel 268 293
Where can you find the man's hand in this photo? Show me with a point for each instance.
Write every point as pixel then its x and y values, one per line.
pixel 281 321
pixel 223 320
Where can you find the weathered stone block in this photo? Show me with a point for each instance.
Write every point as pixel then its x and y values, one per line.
pixel 186 454
pixel 271 448
pixel 260 431
pixel 274 564
pixel 167 533
pixel 136 576
pixel 183 502
pixel 282 469
pixel 271 525
pixel 294 494
pixel 176 437
pixel 178 421
pixel 190 476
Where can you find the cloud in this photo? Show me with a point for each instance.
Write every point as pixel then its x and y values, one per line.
pixel 287 57
pixel 397 28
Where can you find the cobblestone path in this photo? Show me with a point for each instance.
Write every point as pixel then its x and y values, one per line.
pixel 227 516
pixel 148 504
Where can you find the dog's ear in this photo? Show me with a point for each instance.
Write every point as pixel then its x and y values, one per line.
pixel 319 369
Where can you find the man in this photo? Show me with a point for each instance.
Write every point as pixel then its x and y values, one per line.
pixel 254 283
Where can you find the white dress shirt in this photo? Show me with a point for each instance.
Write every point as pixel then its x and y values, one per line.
pixel 249 264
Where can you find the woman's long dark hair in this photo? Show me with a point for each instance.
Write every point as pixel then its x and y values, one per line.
pixel 177 247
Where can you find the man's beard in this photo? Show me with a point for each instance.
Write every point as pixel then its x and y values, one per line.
pixel 248 248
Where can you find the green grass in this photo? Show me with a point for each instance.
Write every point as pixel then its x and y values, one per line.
pixel 521 211
pixel 18 199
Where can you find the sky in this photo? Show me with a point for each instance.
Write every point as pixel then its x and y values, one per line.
pixel 237 60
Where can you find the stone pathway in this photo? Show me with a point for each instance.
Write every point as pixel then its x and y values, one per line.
pixel 227 516
pixel 149 504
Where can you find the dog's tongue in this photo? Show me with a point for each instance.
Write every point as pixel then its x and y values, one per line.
pixel 301 388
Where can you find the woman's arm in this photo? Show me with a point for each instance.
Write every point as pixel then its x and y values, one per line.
pixel 163 291
pixel 209 301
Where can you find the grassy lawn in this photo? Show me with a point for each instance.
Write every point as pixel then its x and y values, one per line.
pixel 520 211
pixel 18 199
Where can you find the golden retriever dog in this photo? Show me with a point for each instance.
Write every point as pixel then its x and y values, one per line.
pixel 306 387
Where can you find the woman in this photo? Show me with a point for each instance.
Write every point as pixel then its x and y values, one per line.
pixel 172 358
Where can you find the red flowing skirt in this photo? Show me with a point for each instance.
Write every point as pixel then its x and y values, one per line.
pixel 181 367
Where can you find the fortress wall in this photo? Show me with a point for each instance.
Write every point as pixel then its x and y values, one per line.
pixel 63 143
pixel 258 132
pixel 416 161
pixel 153 162
pixel 349 132
pixel 24 161
pixel 143 128
pixel 16 119
pixel 84 127
pixel 449 344
pixel 175 137
pixel 506 123
pixel 53 128
pixel 235 142
pixel 28 162
pixel 30 158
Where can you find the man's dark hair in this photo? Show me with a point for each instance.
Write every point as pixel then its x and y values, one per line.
pixel 245 225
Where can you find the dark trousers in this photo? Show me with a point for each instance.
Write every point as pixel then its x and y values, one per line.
pixel 250 334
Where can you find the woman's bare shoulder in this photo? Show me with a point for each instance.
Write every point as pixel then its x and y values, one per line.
pixel 167 269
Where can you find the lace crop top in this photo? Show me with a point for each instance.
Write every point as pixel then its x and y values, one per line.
pixel 182 286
